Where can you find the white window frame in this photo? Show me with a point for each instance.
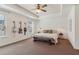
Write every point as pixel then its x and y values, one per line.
pixel 4 25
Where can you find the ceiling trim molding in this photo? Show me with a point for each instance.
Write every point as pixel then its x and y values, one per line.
pixel 27 10
pixel 16 11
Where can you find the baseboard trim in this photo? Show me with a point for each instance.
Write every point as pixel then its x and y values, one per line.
pixel 14 42
pixel 73 45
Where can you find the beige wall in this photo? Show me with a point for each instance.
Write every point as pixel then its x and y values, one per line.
pixel 10 37
pixel 77 26
pixel 74 34
pixel 71 29
pixel 54 22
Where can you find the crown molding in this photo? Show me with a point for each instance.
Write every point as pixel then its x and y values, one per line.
pixel 27 10
pixel 16 11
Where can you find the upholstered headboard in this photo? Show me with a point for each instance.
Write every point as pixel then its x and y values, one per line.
pixel 47 31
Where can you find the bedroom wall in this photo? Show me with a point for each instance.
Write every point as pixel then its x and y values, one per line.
pixel 77 26
pixel 10 37
pixel 55 22
pixel 71 26
pixel 74 34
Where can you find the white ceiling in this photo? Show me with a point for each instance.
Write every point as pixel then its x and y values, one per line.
pixel 52 9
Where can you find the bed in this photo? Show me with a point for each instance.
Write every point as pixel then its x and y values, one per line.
pixel 47 35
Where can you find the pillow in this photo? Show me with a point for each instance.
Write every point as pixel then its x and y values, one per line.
pixel 54 31
pixel 50 31
pixel 45 31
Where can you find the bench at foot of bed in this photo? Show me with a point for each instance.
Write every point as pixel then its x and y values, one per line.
pixel 43 39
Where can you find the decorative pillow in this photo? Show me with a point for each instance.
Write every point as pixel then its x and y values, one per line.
pixel 45 31
pixel 50 31
pixel 54 31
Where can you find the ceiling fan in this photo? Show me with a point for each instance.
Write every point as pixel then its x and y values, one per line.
pixel 40 7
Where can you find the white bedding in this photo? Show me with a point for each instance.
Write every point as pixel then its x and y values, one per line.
pixel 48 35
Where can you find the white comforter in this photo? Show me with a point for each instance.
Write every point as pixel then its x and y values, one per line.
pixel 48 35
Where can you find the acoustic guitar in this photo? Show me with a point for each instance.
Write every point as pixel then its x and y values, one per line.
pixel 20 28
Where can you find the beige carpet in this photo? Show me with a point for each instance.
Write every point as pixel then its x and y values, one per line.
pixel 28 47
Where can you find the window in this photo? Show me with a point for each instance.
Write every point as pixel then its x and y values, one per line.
pixel 2 25
pixel 30 26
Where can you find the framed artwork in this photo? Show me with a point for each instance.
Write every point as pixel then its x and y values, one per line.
pixel 25 29
pixel 14 27
pixel 20 27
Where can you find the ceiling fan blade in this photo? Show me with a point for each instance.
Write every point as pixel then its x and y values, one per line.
pixel 43 10
pixel 45 5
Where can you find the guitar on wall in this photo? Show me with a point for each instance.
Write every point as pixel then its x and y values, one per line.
pixel 20 28
pixel 14 27
pixel 25 29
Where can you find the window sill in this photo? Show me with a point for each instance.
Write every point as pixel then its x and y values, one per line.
pixel 3 36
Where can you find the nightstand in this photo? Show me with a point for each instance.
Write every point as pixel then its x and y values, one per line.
pixel 61 36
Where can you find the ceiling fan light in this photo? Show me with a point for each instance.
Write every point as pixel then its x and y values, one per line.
pixel 38 10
